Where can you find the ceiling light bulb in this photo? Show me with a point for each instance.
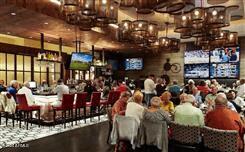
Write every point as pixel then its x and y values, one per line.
pixel 87 5
pixel 183 17
pixel 104 1
pixel 151 28
pixel 196 12
pixel 214 13
pixel 163 40
pixel 221 17
pixel 13 13
pixel 222 34
pixel 140 24
pixel 231 36
pixel 112 7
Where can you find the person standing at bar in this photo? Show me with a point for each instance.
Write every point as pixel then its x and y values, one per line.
pixel 149 86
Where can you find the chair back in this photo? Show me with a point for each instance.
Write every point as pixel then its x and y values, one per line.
pixel 110 97
pixel 154 133
pixel 95 99
pixel 21 99
pixel 81 99
pixel 67 101
pixel 122 133
pixel 116 96
pixel 185 134
pixel 220 140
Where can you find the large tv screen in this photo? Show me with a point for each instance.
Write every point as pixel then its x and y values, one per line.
pixel 80 61
pixel 196 70
pixel 133 64
pixel 225 55
pixel 224 70
pixel 197 56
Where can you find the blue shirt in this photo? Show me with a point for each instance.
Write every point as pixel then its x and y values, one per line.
pixel 174 89
pixel 12 91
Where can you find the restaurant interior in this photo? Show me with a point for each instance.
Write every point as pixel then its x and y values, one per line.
pixel 122 75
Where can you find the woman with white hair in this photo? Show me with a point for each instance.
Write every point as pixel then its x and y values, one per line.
pixel 12 89
pixel 155 113
pixel 27 91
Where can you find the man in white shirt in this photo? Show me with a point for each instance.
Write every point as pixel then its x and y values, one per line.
pixel 27 91
pixel 187 114
pixel 241 89
pixel 60 89
pixel 149 86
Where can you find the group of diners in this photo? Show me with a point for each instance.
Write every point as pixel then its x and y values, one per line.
pixel 207 104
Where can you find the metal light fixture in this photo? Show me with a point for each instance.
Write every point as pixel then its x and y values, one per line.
pixel 139 31
pixel 126 3
pixel 70 8
pixel 106 13
pixel 167 43
pixel 125 28
pixel 232 39
pixel 152 33
pixel 88 7
pixel 216 16
pixel 182 23
pixel 145 6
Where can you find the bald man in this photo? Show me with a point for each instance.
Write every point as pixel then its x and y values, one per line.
pixel 224 118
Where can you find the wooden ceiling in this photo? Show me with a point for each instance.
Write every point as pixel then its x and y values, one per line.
pixel 29 18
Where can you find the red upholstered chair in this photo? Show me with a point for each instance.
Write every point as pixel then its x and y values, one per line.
pixel 112 98
pixel 66 105
pixel 94 104
pixel 26 109
pixel 107 102
pixel 80 103
pixel 116 96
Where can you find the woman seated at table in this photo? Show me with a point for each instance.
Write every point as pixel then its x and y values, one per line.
pixel 166 104
pixel 155 113
pixel 135 109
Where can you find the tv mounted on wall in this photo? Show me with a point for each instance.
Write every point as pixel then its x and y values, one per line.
pixel 80 61
pixel 133 64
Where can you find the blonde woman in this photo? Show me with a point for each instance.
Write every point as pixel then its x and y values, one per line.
pixel 166 104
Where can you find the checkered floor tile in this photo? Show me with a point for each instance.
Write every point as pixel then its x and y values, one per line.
pixel 14 135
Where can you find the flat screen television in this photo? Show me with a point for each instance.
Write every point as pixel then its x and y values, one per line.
pixel 133 64
pixel 196 57
pixel 224 70
pixel 225 55
pixel 80 61
pixel 196 70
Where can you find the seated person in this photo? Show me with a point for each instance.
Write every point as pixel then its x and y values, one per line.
pixel 155 113
pixel 135 109
pixel 231 98
pixel 120 105
pixel 198 97
pixel 27 91
pixel 14 86
pixel 209 99
pixel 188 114
pixel 223 118
pixel 60 89
pixel 2 86
pixel 166 104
